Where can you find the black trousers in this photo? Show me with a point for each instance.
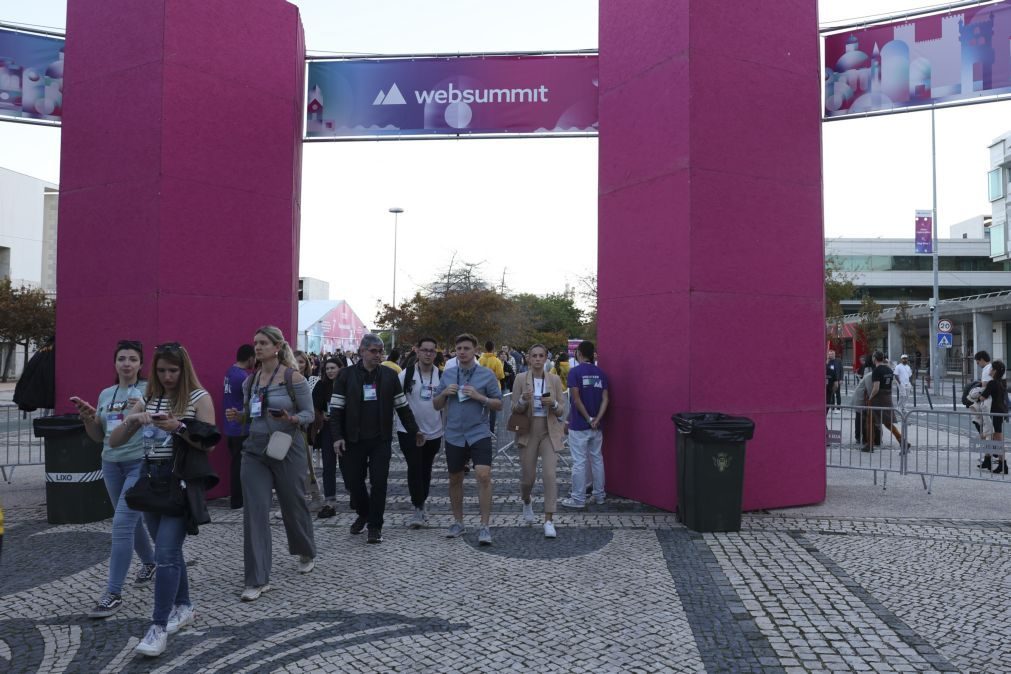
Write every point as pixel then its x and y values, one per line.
pixel 419 466
pixel 235 469
pixel 329 464
pixel 368 459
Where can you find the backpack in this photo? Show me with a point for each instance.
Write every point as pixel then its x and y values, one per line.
pixel 965 392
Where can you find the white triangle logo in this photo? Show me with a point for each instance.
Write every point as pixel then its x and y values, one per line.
pixel 394 97
pixel 379 98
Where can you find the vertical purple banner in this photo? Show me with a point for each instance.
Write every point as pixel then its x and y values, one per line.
pixel 924 232
pixel 919 61
pixel 31 75
pixel 452 95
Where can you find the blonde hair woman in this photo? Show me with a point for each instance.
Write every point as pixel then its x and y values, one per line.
pixel 277 400
pixel 540 395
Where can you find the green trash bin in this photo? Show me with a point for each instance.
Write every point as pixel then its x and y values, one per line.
pixel 75 491
pixel 710 465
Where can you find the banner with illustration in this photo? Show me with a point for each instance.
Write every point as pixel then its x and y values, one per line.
pixel 924 234
pixel 927 60
pixel 31 76
pixel 452 96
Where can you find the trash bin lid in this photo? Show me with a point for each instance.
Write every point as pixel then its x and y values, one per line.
pixel 63 424
pixel 714 426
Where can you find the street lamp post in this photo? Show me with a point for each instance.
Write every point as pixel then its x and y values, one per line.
pixel 396 214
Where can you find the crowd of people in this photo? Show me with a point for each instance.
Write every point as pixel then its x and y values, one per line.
pixel 278 404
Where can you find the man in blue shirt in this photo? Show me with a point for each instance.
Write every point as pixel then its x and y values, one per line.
pixel 588 398
pixel 468 392
pixel 236 431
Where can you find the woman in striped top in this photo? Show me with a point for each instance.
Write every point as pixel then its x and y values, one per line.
pixel 173 395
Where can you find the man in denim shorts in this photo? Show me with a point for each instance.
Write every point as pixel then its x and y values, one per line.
pixel 468 392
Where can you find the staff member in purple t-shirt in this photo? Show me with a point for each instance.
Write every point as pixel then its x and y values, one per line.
pixel 588 400
pixel 236 431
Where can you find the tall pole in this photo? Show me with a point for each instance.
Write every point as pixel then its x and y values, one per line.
pixel 396 214
pixel 935 315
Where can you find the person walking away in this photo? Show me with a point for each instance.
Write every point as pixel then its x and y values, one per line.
pixel 234 431
pixel 859 400
pixel 364 399
pixel 420 382
pixel 467 391
pixel 880 396
pixel 120 469
pixel 177 417
pixel 995 393
pixel 321 395
pixel 277 404
pixel 832 374
pixel 588 402
pixel 489 360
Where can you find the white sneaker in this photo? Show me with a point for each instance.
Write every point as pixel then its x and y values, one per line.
pixel 277 515
pixel 306 564
pixel 154 642
pixel 528 513
pixel 599 499
pixel 180 617
pixel 253 593
pixel 549 530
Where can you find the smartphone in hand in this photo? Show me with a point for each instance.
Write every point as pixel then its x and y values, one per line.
pixel 159 416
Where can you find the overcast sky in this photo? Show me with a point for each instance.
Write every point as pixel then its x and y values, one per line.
pixel 528 208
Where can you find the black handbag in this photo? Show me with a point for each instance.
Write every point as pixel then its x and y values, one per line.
pixel 162 494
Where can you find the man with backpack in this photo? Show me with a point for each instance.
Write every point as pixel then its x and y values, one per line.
pixel 419 381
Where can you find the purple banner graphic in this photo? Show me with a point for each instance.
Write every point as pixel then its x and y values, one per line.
pixel 924 232
pixel 452 95
pixel 921 61
pixel 31 75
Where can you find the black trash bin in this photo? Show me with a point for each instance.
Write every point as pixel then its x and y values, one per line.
pixel 75 491
pixel 710 464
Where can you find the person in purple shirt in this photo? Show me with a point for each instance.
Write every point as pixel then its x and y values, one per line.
pixel 235 431
pixel 588 400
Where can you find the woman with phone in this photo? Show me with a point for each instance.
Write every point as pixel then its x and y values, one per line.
pixel 120 470
pixel 539 395
pixel 278 404
pixel 174 396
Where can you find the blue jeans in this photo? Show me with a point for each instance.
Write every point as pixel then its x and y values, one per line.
pixel 128 534
pixel 171 586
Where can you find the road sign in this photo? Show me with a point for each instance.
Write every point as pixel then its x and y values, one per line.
pixel 944 325
pixel 944 340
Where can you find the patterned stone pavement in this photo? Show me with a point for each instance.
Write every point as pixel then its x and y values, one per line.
pixel 624 588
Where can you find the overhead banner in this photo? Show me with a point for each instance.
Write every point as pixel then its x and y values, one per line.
pixel 924 232
pixel 943 58
pixel 452 96
pixel 31 76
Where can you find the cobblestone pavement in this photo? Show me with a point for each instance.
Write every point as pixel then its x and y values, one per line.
pixel 624 588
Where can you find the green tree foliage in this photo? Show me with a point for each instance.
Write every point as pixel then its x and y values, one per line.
pixel 907 327
pixel 838 287
pixel 27 316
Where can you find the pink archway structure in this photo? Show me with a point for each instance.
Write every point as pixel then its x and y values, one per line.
pixel 179 212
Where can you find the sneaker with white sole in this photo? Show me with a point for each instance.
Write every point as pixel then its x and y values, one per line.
pixel 180 617
pixel 599 499
pixel 145 573
pixel 456 529
pixel 484 535
pixel 417 519
pixel 253 593
pixel 572 503
pixel 528 513
pixel 306 564
pixel 154 642
pixel 106 606
pixel 549 530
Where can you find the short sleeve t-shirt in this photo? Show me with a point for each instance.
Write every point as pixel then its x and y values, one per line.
pixel 233 399
pixel 883 375
pixel 591 382
pixel 420 399
pixel 113 406
pixel 466 420
pixel 158 443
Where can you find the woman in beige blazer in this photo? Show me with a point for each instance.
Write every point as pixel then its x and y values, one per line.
pixel 539 395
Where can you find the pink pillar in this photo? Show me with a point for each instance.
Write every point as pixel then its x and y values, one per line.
pixel 711 250
pixel 180 183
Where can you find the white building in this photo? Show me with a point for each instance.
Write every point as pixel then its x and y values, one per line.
pixel 28 209
pixel 312 289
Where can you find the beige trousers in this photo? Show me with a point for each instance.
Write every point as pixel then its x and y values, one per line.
pixel 539 445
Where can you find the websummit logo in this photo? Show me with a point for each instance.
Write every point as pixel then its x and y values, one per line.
pixel 453 95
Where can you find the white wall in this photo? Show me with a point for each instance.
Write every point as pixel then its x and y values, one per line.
pixel 22 206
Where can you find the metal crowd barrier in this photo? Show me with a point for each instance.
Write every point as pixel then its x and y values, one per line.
pixel 18 444
pixel 928 443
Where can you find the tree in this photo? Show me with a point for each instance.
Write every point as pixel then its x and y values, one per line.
pixel 587 291
pixel 27 316
pixel 907 328
pixel 839 286
pixel 870 324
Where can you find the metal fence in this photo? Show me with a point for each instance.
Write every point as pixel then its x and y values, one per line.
pixel 18 444
pixel 929 443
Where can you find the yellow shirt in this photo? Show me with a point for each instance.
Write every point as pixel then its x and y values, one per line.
pixel 393 366
pixel 492 362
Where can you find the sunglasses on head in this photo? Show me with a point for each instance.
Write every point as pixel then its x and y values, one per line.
pixel 168 347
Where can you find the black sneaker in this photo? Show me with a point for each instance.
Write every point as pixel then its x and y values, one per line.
pixel 359 525
pixel 326 512
pixel 106 606
pixel 375 535
pixel 145 573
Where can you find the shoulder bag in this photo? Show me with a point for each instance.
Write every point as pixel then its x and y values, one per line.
pixel 518 422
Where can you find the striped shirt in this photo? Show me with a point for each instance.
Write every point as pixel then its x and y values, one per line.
pixel 158 443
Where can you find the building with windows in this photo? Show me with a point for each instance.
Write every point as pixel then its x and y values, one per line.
pixel 28 209
pixel 998 179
